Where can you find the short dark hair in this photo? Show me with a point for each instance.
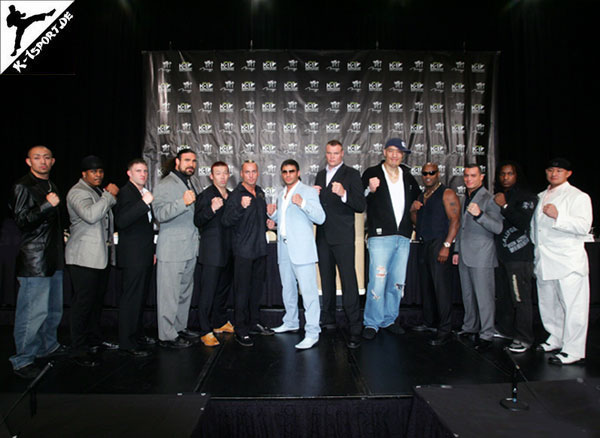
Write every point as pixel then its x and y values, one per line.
pixel 218 164
pixel 334 143
pixel 39 146
pixel 290 162
pixel 472 166
pixel 136 161
pixel 184 151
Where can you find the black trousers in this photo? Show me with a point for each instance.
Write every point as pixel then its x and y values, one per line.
pixel 514 308
pixel 343 257
pixel 89 286
pixel 436 286
pixel 248 286
pixel 136 285
pixel 215 287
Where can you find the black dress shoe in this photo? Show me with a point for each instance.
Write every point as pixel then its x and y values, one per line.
pixel 244 340
pixel 188 334
pixel 395 328
pixel 483 345
pixel 86 361
pixel 104 345
pixel 369 333
pixel 136 352
pixel 177 343
pixel 353 342
pixel 146 340
pixel 261 330
pixel 60 351
pixel 440 340
pixel 423 328
pixel 28 372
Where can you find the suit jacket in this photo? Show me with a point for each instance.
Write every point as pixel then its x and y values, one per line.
pixel 136 234
pixel 178 236
pixel 215 239
pixel 475 240
pixel 339 223
pixel 560 243
pixel 91 232
pixel 299 225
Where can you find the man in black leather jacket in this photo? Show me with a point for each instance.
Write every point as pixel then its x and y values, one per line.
pixel 35 204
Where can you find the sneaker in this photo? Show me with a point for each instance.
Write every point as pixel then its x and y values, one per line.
pixel 261 330
pixel 227 328
pixel 209 340
pixel 518 347
pixel 285 329
pixel 307 343
pixel 244 340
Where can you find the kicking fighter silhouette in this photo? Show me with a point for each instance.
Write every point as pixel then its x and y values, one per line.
pixel 18 20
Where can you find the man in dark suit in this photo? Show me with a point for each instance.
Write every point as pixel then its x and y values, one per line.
pixel 341 195
pixel 215 256
pixel 135 256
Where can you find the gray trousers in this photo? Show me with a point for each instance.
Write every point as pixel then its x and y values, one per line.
pixel 175 285
pixel 478 292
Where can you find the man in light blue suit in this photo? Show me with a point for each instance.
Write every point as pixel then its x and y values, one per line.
pixel 297 208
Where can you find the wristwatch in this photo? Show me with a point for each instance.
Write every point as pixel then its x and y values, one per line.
pixel 447 244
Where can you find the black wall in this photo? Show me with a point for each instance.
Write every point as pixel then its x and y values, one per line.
pixel 547 92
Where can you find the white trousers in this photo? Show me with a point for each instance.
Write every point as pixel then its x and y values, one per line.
pixel 564 309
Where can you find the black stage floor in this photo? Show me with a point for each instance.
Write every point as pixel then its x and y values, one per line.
pixel 390 365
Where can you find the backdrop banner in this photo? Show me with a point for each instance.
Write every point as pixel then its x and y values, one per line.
pixel 270 105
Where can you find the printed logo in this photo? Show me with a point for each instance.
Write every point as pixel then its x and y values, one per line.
pixel 458 170
pixel 268 148
pixel 313 86
pixel 226 107
pixel 376 148
pixel 163 129
pixel 292 65
pixel 290 128
pixel 354 148
pixel 228 66
pixel 248 106
pixel 376 65
pixel 357 167
pixel 417 128
pixel 478 67
pixel 332 128
pixel 375 128
pixel 459 107
pixel 271 169
pixel 291 148
pixel 376 107
pixel 458 87
pixel 164 107
pixel 479 87
pixel 203 170
pixel 268 107
pixel 184 108
pixel 205 87
pixel 353 66
pixel 271 86
pixel 166 66
pixel 478 108
pixel 311 148
pixel 355 128
pixel 226 149
pixel 480 128
pixel 459 66
pixel 334 107
pixel 353 107
pixel 438 87
pixel 461 190
pixel 334 65
pixel 311 66
pixel 438 128
pixel 356 86
pixel 269 66
pixel 229 86
pixel 247 128
pixel 205 128
pixel 333 86
pixel 248 86
pixel 478 150
pixel 437 149
pixel 313 169
pixel 165 149
pixel 395 66
pixel 206 107
pixel 250 65
pixel 436 67
pixel 458 129
pixel 436 108
pixel 417 107
pixel 416 87
pixel 164 87
pixel 227 128
pixel 292 106
pixel 398 87
pixel 290 86
pixel 460 149
pixel 208 66
pixel 186 87
pixel 185 66
pixel 313 128
pixel 249 148
pixel 375 86
pixel 417 66
pixel 311 107
pixel 398 127
pixel 416 170
pixel 270 127
pixel 418 148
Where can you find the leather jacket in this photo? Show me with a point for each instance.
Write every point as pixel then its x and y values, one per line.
pixel 41 252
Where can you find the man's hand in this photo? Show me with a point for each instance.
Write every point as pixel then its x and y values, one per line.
pixel 189 197
pixel 550 210
pixel 297 199
pixel 455 259
pixel 216 203
pixel 270 224
pixel 53 199
pixel 474 209
pixel 271 208
pixel 246 200
pixel 373 184
pixel 318 189
pixel 338 189
pixel 112 189
pixel 443 254
pixel 500 199
pixel 148 197
pixel 416 206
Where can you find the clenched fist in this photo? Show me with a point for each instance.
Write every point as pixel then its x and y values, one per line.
pixel 373 184
pixel 53 199
pixel 216 203
pixel 189 197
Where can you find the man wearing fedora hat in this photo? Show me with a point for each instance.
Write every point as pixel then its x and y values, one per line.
pixel 559 228
pixel 390 190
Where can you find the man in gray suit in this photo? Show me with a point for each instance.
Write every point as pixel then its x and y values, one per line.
pixel 176 251
pixel 87 255
pixel 476 257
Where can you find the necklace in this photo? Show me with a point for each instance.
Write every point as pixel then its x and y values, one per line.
pixel 428 195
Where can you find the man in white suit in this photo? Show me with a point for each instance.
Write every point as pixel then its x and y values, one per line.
pixel 559 227
pixel 176 251
pixel 297 208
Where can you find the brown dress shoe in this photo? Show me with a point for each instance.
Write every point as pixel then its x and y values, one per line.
pixel 209 340
pixel 227 328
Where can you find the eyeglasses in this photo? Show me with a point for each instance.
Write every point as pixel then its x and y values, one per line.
pixel 288 171
pixel 431 172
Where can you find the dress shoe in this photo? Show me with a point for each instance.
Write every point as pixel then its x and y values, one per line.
pixel 483 345
pixel 369 333
pixel 285 329
pixel 227 328
pixel 307 343
pixel 440 340
pixel 209 340
pixel 61 350
pixel 86 361
pixel 353 342
pixel 28 372
pixel 562 358
pixel 104 345
pixel 500 335
pixel 178 343
pixel 261 330
pixel 545 347
pixel 146 340
pixel 136 352
pixel 188 334
pixel 395 328
pixel 423 328
pixel 328 325
pixel 244 340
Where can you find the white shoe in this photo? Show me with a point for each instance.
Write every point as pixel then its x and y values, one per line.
pixel 307 343
pixel 285 329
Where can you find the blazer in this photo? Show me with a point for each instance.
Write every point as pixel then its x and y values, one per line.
pixel 560 243
pixel 136 233
pixel 177 236
pixel 380 213
pixel 299 225
pixel 91 231
pixel 475 239
pixel 339 223
pixel 215 239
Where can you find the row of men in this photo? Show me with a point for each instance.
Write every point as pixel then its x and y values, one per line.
pixel 233 224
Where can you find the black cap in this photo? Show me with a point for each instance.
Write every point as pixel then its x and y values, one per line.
pixel 563 163
pixel 91 162
pixel 399 143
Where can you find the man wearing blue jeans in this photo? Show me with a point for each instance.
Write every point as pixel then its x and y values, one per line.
pixel 40 262
pixel 390 190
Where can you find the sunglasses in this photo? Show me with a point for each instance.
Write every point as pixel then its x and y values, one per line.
pixel 432 172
